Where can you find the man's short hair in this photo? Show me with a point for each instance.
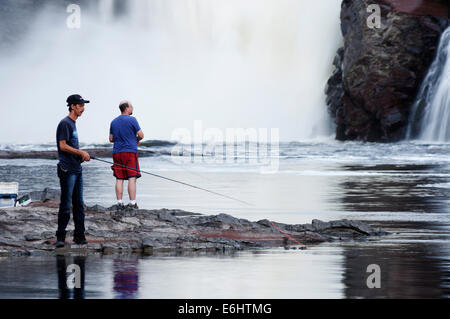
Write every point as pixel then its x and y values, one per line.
pixel 123 106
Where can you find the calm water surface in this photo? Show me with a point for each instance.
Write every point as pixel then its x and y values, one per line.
pixel 403 188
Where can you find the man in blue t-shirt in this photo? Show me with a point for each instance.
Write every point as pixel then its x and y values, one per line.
pixel 126 134
pixel 70 173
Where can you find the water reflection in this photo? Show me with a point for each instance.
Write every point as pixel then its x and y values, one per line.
pixel 409 271
pixel 62 264
pixel 124 270
pixel 395 188
pixel 126 278
pixel 413 261
pixel 403 198
pixel 272 273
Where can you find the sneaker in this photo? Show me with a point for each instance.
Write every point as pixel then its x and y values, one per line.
pixel 80 240
pixel 59 244
pixel 60 239
pixel 131 206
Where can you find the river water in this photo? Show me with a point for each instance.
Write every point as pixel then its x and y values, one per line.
pixel 401 187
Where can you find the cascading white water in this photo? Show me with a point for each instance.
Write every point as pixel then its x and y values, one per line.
pixel 229 63
pixel 106 9
pixel 431 112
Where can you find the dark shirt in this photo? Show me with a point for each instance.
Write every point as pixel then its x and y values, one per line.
pixel 124 129
pixel 67 131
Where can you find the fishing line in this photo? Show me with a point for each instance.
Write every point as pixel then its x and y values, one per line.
pixel 200 188
pixel 288 236
pixel 173 180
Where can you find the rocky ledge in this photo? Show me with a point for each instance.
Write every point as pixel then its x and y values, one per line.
pixel 97 152
pixel 159 147
pixel 30 230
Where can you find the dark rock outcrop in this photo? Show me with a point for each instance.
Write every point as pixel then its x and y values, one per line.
pixel 379 71
pixel 28 230
pixel 158 147
pixel 97 152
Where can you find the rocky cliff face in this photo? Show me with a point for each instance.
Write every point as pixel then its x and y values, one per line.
pixel 379 71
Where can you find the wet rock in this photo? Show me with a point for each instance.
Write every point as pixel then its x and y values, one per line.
pixel 47 235
pixel 151 231
pixel 319 225
pixel 149 242
pixel 94 246
pixel 180 213
pixel 96 152
pixel 32 237
pixel 36 253
pixel 264 222
pixel 167 216
pixel 4 252
pixel 46 195
pixel 48 204
pixel 97 208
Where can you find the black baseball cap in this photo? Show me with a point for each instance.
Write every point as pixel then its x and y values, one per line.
pixel 76 99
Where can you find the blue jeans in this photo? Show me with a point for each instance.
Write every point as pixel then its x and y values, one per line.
pixel 71 195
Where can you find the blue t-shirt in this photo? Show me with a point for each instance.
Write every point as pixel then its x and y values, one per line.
pixel 124 129
pixel 67 131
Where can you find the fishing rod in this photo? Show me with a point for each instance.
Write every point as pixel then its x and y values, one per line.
pixel 172 180
pixel 200 188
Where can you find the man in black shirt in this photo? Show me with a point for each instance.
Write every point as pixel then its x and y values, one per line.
pixel 70 173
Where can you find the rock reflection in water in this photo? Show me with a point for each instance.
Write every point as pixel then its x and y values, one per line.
pixel 410 271
pixel 413 261
pixel 395 188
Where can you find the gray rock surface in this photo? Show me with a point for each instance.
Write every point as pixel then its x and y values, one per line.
pixel 31 229
pixel 97 152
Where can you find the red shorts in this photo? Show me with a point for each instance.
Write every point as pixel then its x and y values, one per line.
pixel 129 160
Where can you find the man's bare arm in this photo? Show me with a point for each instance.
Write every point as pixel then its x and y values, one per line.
pixel 111 138
pixel 140 137
pixel 69 149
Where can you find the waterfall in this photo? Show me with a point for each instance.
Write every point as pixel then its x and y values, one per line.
pixel 431 111
pixel 230 63
pixel 106 9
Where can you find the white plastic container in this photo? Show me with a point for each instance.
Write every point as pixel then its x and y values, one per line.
pixel 8 194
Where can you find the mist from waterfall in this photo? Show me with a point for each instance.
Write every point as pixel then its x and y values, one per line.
pixel 229 63
pixel 431 112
